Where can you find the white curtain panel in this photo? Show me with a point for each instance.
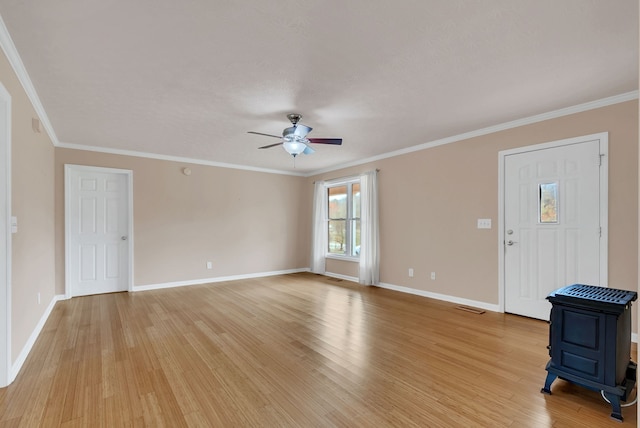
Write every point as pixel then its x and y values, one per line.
pixel 318 240
pixel 369 239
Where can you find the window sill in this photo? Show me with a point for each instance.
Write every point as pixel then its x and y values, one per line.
pixel 343 258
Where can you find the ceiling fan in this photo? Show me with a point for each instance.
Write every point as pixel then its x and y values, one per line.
pixel 294 139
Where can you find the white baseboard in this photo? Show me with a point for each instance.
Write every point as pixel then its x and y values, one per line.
pixel 17 364
pixel 443 297
pixel 453 299
pixel 216 279
pixel 340 276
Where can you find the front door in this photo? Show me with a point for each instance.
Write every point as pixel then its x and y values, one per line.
pixel 552 223
pixel 97 230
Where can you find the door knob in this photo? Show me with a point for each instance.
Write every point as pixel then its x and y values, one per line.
pixel 124 238
pixel 510 242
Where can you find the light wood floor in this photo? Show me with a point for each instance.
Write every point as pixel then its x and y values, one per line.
pixel 295 350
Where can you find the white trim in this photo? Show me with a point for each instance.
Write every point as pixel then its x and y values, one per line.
pixel 340 276
pixel 67 226
pixel 342 180
pixel 130 234
pixel 603 137
pixel 26 349
pixel 9 48
pixel 344 258
pixel 215 279
pixel 348 182
pixel 443 297
pixel 616 99
pixel 17 365
pixel 133 153
pixel 6 250
pixel 604 208
pixel 501 291
pixel 6 43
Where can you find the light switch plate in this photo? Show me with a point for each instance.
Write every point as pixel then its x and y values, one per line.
pixel 484 223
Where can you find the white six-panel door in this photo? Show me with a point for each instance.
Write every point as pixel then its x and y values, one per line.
pixel 552 224
pixel 97 230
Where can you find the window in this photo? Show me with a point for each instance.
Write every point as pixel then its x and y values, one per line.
pixel 548 203
pixel 344 219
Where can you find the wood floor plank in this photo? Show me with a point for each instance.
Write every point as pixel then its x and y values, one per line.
pixel 290 351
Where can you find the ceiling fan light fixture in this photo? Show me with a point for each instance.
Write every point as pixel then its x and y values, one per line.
pixel 294 138
pixel 294 147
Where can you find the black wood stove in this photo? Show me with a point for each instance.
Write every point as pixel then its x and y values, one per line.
pixel 590 341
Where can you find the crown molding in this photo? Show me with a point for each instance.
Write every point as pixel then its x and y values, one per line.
pixel 192 161
pixel 591 105
pixel 9 49
pixel 7 45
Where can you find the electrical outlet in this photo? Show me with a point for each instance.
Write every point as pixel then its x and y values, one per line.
pixel 410 272
pixel 433 276
pixel 209 265
pixel 484 223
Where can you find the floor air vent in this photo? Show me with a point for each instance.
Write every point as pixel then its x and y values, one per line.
pixel 470 309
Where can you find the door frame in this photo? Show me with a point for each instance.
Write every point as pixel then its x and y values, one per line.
pixel 5 238
pixel 128 174
pixel 603 137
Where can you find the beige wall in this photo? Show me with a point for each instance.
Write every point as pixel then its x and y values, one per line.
pixel 32 202
pixel 250 222
pixel 342 268
pixel 430 201
pixel 244 222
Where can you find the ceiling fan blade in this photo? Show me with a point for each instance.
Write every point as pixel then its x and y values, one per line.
pixel 270 145
pixel 308 151
pixel 336 141
pixel 301 130
pixel 266 135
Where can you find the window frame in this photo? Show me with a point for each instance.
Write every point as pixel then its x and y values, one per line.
pixel 350 219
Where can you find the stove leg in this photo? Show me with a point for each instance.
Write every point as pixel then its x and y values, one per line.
pixel 616 409
pixel 547 384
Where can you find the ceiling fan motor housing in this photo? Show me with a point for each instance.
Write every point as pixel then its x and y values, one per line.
pixel 294 118
pixel 287 134
pixel 297 132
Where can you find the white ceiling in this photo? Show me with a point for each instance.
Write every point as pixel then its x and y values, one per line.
pixel 190 78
